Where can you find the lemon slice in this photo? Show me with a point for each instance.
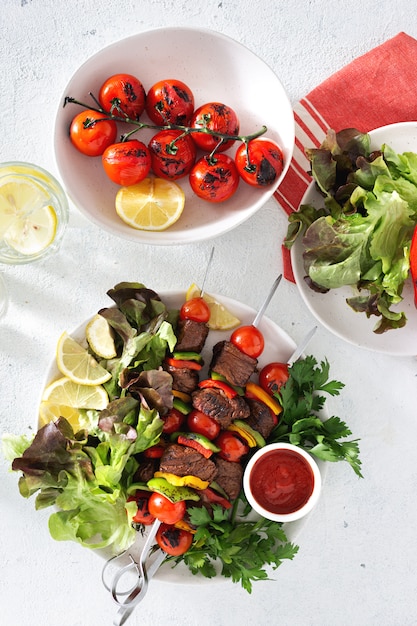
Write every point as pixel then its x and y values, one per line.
pixel 27 223
pixel 100 337
pixel 220 317
pixel 152 204
pixel 77 364
pixel 68 393
pixel 49 412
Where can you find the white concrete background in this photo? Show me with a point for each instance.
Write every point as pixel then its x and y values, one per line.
pixel 356 563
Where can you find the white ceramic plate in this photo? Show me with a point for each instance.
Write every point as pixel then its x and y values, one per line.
pixel 278 347
pixel 330 308
pixel 216 68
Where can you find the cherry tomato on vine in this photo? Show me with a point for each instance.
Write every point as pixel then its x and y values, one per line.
pixel 173 541
pixel 165 510
pixel 273 376
pixel 232 448
pixel 217 117
pixel 195 309
pixel 170 102
pixel 264 164
pixel 173 421
pixel 91 132
pixel 127 162
pixel 142 516
pixel 249 340
pixel 214 179
pixel 172 154
pixel 123 95
pixel 202 424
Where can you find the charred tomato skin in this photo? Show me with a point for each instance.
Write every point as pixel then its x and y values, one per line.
pixel 124 92
pixel 170 101
pixel 172 540
pixel 143 515
pixel 264 165
pixel 272 376
pixel 172 156
pixel 127 162
pixel 216 117
pixel 214 179
pixel 173 421
pixel 91 132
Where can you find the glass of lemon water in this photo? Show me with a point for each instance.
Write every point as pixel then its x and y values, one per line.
pixel 33 216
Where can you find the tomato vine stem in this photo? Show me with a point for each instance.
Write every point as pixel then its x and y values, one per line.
pixel 186 130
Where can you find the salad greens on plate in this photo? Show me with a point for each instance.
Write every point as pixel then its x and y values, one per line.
pixel 88 471
pixel 361 235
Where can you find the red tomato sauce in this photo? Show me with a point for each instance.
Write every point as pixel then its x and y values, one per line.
pixel 281 481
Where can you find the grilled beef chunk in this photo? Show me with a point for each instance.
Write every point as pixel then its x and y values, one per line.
pixel 146 470
pixel 260 418
pixel 191 336
pixel 231 363
pixel 183 379
pixel 229 477
pixel 214 403
pixel 184 461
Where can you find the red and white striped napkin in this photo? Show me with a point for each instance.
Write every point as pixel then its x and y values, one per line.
pixel 377 88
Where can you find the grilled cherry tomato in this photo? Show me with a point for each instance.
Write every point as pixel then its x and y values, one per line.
pixel 123 95
pixel 273 376
pixel 195 309
pixel 170 102
pixel 173 541
pixel 249 340
pixel 173 421
pixel 260 162
pixel 165 510
pixel 202 424
pixel 172 154
pixel 215 178
pixel 91 132
pixel 232 448
pixel 216 117
pixel 127 162
pixel 142 516
pixel 154 452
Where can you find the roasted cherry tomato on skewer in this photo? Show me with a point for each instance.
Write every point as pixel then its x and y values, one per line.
pixel 199 422
pixel 142 516
pixel 172 540
pixel 173 421
pixel 165 510
pixel 195 309
pixel 249 340
pixel 123 95
pixel 232 448
pixel 272 376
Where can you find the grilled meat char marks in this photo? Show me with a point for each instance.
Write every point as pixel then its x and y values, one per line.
pixel 214 403
pixel 233 364
pixel 260 418
pixel 191 336
pixel 184 461
pixel 229 477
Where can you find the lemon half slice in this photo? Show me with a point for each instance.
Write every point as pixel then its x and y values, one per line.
pixel 100 337
pixel 77 364
pixel 49 412
pixel 70 394
pixel 27 222
pixel 152 204
pixel 220 317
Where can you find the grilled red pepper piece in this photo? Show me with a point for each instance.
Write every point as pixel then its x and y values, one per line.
pixel 218 384
pixel 216 498
pixel 190 365
pixel 413 263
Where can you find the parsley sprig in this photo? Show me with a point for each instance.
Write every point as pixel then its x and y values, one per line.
pixel 301 399
pixel 242 547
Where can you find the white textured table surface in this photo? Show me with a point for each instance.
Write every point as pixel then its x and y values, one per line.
pixel 356 563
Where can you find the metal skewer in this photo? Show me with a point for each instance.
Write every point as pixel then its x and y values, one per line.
pixel 268 299
pixel 206 273
pixel 301 346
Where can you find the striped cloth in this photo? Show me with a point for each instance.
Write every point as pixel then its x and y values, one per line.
pixel 377 88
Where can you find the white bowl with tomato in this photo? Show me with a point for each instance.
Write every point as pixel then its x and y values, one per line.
pixel 202 107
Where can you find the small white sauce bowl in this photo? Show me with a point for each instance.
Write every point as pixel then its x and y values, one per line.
pixel 308 503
